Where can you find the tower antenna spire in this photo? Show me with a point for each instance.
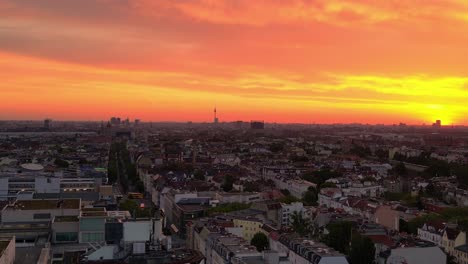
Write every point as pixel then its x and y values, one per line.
pixel 215 120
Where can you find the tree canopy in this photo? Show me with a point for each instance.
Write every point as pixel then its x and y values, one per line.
pixel 260 241
pixel 134 208
pixel 362 250
pixel 300 225
pixel 339 236
pixel 320 176
pixel 310 197
pixel 343 238
pixel 288 199
pixel 228 182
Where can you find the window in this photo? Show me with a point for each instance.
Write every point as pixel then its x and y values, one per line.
pixel 92 237
pixel 41 216
pixel 66 237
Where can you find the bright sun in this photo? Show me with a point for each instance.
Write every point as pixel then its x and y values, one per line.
pixel 443 113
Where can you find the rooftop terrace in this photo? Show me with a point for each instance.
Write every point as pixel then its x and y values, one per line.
pixel 45 204
pixel 64 219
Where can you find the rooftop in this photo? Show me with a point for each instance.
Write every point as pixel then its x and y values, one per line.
pixel 164 257
pixel 316 248
pixel 463 248
pixel 93 212
pixel 32 166
pixel 45 204
pixel 62 219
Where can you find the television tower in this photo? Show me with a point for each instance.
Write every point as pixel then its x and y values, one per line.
pixel 215 120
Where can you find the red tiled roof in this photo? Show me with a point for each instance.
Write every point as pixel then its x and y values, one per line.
pixel 382 239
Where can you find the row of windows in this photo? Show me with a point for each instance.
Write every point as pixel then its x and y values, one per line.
pixel 21 186
pixel 75 185
pixel 92 237
pixel 66 237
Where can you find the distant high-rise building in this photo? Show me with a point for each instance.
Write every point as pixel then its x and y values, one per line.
pixel 115 121
pixel 257 124
pixel 238 124
pixel 437 124
pixel 137 122
pixel 215 120
pixel 47 124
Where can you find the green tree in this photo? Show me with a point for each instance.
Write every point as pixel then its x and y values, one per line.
pixel 360 151
pixel 140 186
pixel 381 154
pixel 228 182
pixel 415 223
pixel 251 187
pixel 451 259
pixel 339 236
pixel 400 169
pixel 296 158
pixel 310 197
pixel 199 175
pixel 131 172
pixel 362 250
pixel 327 185
pixel 166 231
pixel 320 176
pixel 300 225
pixel 285 192
pixel 288 199
pixel 260 241
pixel 134 209
pixel 461 172
pixel 61 163
pixel 276 147
pixel 438 168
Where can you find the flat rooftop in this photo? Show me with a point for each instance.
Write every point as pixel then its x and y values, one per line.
pixel 45 204
pixel 93 212
pixel 65 219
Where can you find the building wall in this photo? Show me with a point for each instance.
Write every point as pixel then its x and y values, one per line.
pixel 47 185
pixel 238 198
pixel 430 236
pixel 44 257
pixel 287 211
pixel 448 244
pixel 62 229
pixel 8 255
pixel 3 189
pixel 137 231
pixel 105 252
pixel 249 227
pixel 14 216
pixel 92 230
pixel 429 255
pixel 43 184
pixel 461 257
pixel 387 217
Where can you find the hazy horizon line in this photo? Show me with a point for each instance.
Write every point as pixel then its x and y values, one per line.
pixel 227 122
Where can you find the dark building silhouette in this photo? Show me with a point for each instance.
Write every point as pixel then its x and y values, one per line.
pixel 257 124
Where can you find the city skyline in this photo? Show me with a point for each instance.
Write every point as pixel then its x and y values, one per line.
pixel 288 62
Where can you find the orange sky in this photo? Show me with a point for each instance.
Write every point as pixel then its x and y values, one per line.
pixel 309 61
